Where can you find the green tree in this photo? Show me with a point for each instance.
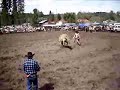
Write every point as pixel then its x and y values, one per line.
pixel 70 17
pixel 4 13
pixel 95 19
pixel 20 10
pixel 118 13
pixel 29 18
pixel 0 19
pixel 41 14
pixel 51 17
pixel 118 16
pixel 35 17
pixel 14 12
pixel 112 15
pixel 58 17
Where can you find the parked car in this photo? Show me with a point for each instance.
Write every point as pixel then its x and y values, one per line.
pixel 116 27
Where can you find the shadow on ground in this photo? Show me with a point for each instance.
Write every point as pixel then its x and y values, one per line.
pixel 48 86
pixel 69 47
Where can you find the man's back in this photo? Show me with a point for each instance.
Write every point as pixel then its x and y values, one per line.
pixel 31 66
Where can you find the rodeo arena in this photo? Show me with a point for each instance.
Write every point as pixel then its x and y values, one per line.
pixel 86 25
pixel 72 56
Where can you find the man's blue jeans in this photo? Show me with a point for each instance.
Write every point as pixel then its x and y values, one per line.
pixel 32 82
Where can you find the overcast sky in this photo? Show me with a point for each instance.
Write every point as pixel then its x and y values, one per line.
pixel 62 6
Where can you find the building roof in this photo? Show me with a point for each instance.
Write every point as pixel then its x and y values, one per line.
pixel 43 21
pixel 82 20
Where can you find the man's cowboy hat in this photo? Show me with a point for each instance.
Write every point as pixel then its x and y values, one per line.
pixel 29 54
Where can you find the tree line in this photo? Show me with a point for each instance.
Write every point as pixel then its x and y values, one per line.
pixel 12 13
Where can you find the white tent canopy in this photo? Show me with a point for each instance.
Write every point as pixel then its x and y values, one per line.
pixel 49 25
pixel 59 23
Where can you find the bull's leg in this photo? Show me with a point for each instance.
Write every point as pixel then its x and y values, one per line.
pixel 62 43
pixel 66 42
pixel 90 31
pixel 78 42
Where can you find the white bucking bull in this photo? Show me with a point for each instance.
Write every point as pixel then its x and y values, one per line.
pixel 64 39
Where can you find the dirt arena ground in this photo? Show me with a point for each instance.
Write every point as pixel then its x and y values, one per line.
pixel 95 65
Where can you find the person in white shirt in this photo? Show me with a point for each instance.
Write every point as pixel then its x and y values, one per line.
pixel 76 38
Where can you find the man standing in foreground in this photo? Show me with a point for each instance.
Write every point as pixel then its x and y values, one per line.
pixel 31 68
